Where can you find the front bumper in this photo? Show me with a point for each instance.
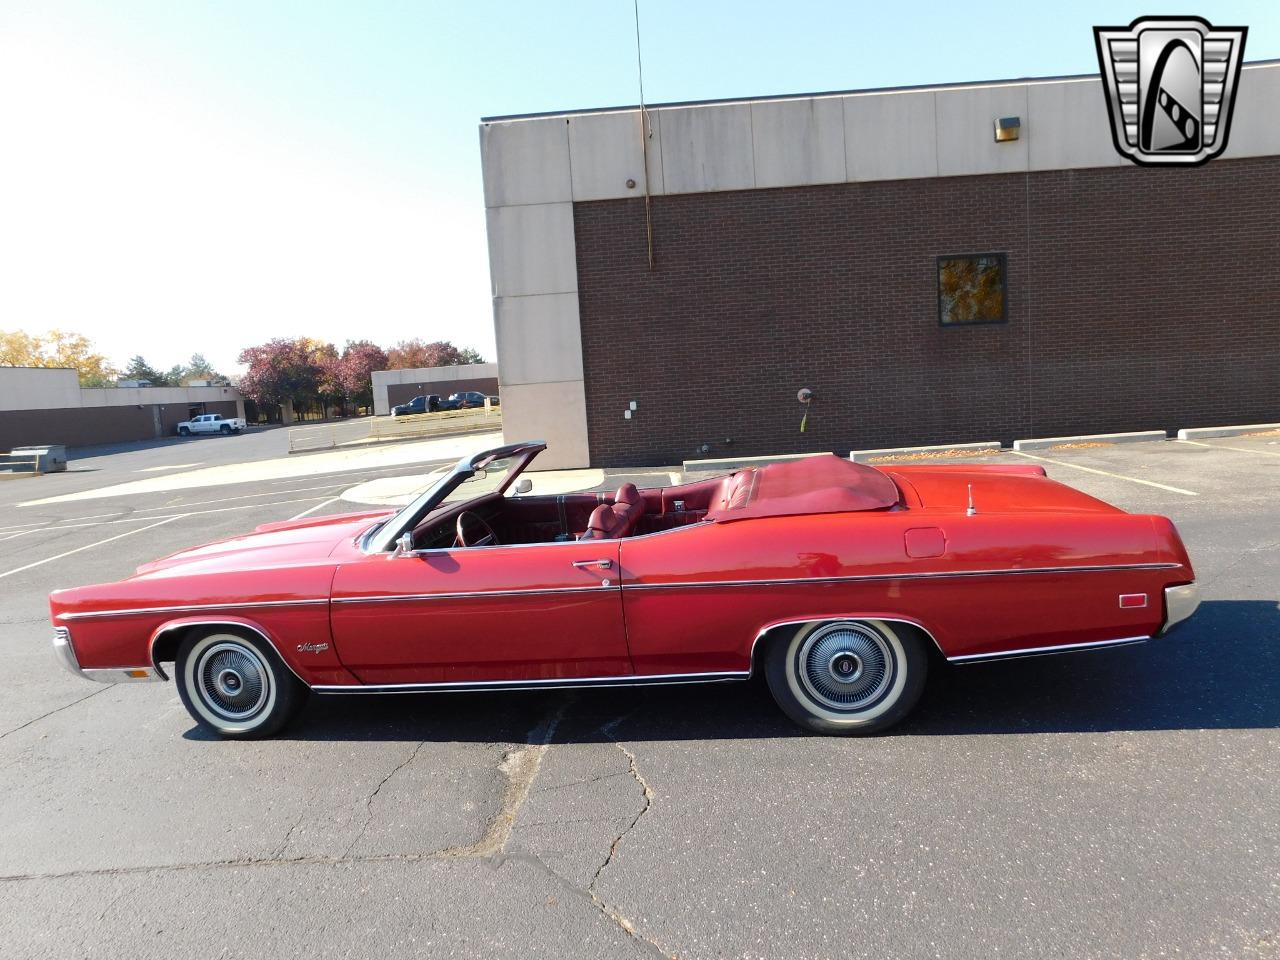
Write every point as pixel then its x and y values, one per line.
pixel 66 655
pixel 1180 602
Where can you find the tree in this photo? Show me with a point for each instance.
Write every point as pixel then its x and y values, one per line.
pixel 57 348
pixel 354 370
pixel 139 369
pixel 300 370
pixel 201 369
pixel 412 354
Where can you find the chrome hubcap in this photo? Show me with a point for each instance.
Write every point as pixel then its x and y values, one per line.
pixel 232 680
pixel 845 666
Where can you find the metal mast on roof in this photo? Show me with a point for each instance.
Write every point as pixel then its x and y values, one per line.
pixel 646 132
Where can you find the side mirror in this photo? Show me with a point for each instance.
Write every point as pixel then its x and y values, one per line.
pixel 524 486
pixel 404 545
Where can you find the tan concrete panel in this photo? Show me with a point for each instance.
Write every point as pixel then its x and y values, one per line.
pixel 606 151
pixel 525 161
pixel 890 136
pixel 554 412
pixel 966 130
pixel 798 142
pixel 707 148
pixel 531 250
pixel 539 338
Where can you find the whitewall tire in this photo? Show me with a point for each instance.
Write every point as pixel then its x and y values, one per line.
pixel 847 676
pixel 233 684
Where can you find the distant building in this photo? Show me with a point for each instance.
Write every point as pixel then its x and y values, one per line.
pixel 41 405
pixel 393 387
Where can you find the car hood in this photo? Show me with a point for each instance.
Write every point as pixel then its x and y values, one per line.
pixel 287 543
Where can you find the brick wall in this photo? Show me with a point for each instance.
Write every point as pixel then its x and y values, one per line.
pixel 87 426
pixel 1138 299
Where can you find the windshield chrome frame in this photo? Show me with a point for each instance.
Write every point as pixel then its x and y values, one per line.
pixel 385 536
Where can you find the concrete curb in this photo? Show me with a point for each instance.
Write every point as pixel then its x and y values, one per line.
pixel 738 463
pixel 1046 443
pixel 863 456
pixel 1204 433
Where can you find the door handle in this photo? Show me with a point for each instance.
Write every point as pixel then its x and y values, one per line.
pixel 602 564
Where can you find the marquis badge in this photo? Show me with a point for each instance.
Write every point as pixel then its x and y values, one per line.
pixel 1170 84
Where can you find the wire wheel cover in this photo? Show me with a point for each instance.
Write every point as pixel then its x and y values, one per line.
pixel 845 666
pixel 232 681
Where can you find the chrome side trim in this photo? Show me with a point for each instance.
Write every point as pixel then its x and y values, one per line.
pixel 190 608
pixel 1036 651
pixel 413 597
pixel 823 619
pixel 556 683
pixel 1180 602
pixel 934 575
pixel 151 651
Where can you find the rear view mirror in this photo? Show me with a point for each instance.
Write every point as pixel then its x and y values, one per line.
pixel 524 486
pixel 404 544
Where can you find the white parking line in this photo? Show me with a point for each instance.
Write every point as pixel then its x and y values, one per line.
pixel 1214 446
pixel 88 546
pixel 1105 473
pixel 318 506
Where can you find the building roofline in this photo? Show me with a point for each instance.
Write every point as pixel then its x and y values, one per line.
pixel 966 85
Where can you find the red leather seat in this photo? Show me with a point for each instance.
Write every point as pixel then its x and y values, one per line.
pixel 619 519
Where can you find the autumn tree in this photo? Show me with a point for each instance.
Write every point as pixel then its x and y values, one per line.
pixel 281 370
pixel 354 370
pixel 412 354
pixel 57 348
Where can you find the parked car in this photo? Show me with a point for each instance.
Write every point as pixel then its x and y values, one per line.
pixel 211 423
pixel 425 404
pixel 836 580
pixel 469 399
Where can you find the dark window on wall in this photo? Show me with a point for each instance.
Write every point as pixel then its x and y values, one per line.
pixel 971 289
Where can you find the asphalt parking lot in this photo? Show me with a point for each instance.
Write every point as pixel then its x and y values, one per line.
pixel 1110 804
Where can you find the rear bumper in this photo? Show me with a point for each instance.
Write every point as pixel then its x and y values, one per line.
pixel 66 655
pixel 1179 603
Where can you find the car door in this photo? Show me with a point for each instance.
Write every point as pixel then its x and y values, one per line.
pixel 502 614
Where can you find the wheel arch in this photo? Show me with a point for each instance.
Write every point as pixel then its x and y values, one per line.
pixel 166 638
pixel 771 632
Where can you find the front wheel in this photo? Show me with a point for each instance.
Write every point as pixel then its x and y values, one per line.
pixel 236 686
pixel 184 432
pixel 847 676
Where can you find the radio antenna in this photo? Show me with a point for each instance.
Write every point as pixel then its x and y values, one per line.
pixel 646 132
pixel 972 511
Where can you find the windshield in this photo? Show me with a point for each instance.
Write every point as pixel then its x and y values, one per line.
pixel 472 477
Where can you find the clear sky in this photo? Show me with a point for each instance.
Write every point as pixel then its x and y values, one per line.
pixel 202 175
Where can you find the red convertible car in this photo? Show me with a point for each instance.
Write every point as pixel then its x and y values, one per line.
pixel 839 581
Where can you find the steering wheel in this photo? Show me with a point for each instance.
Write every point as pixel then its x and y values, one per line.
pixel 490 539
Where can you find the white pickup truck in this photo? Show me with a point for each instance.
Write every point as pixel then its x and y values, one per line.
pixel 210 423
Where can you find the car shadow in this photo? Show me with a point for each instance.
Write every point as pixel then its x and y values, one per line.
pixel 1219 671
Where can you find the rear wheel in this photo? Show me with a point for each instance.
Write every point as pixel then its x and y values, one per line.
pixel 224 429
pixel 847 676
pixel 236 686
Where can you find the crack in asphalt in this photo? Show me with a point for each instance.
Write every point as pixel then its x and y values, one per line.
pixel 284 844
pixel 368 801
pixel 65 706
pixel 521 767
pixel 647 792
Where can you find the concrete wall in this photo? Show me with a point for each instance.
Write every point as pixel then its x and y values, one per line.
pixel 537 169
pixel 441 380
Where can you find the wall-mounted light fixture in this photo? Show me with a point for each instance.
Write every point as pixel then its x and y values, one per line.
pixel 1007 128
